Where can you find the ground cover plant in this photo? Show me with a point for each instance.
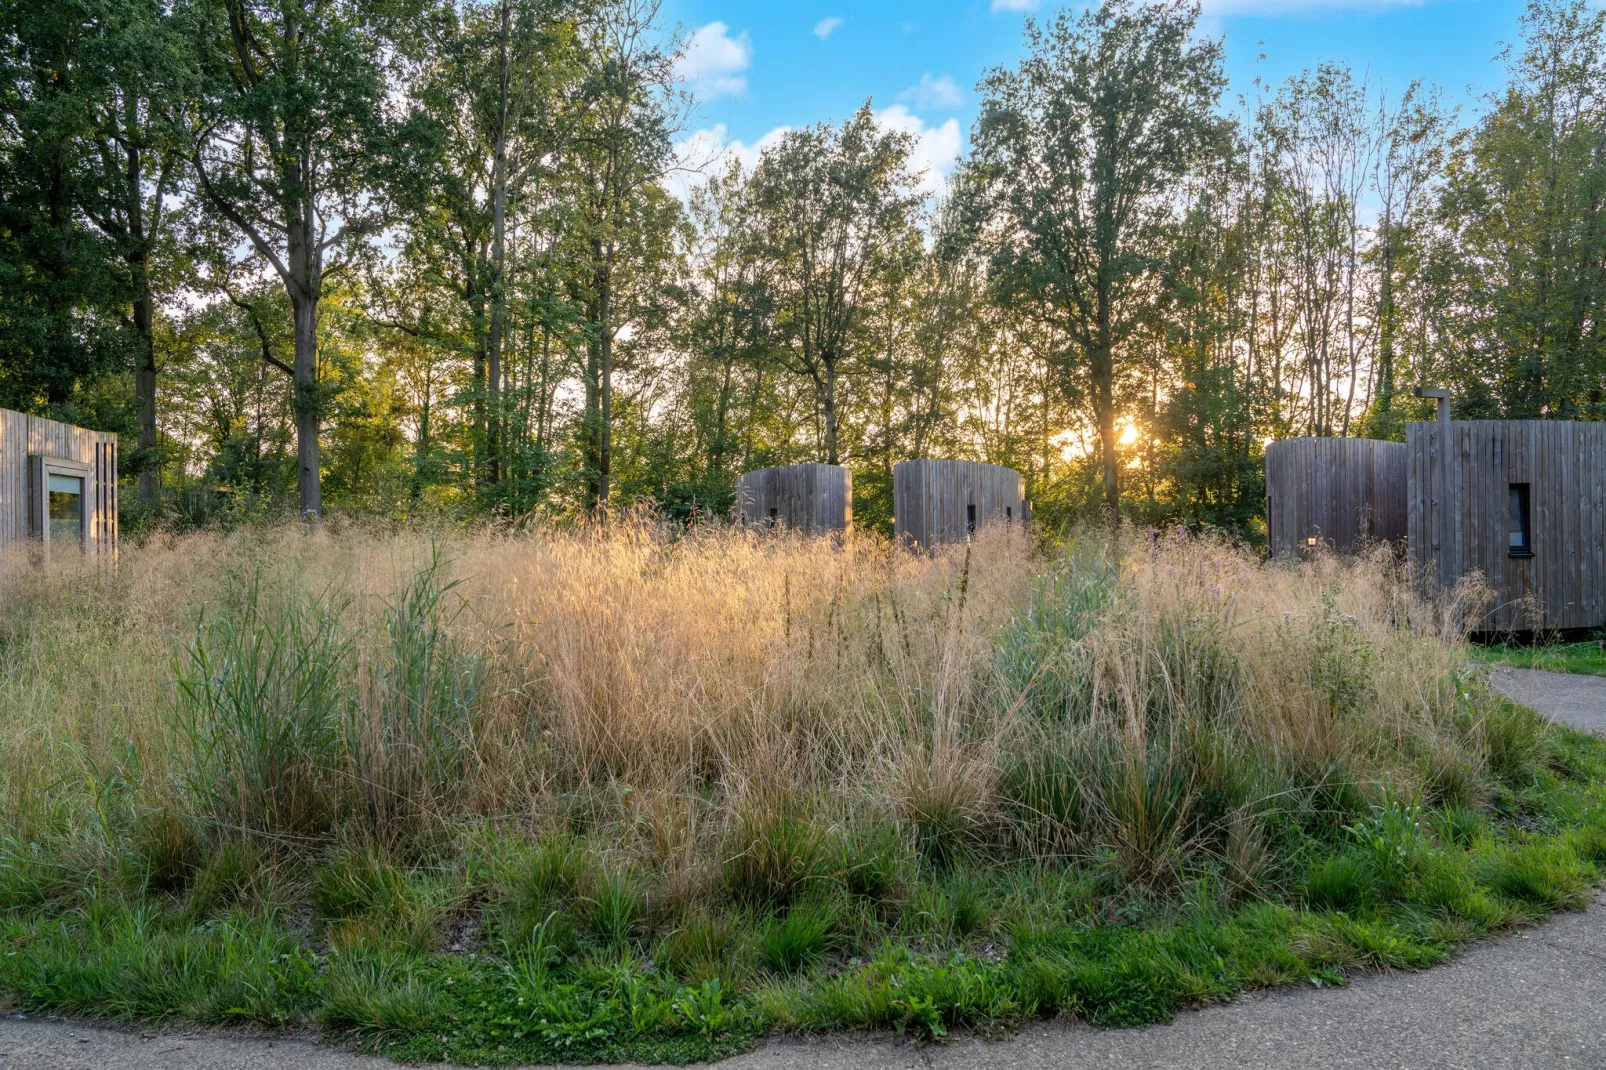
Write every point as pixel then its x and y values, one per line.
pixel 1587 657
pixel 650 793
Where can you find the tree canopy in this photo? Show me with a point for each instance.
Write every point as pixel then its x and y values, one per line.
pixel 407 257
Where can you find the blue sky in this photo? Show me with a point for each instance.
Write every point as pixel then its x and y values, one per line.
pixel 763 67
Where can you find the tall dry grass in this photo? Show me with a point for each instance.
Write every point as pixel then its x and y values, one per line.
pixel 719 708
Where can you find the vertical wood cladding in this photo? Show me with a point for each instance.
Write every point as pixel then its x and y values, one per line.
pixel 1460 521
pixel 1341 492
pixel 937 502
pixel 811 498
pixel 29 447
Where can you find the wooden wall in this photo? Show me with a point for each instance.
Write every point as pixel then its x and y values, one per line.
pixel 811 498
pixel 24 437
pixel 1342 491
pixel 931 499
pixel 1459 515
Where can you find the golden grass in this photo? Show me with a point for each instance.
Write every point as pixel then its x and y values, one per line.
pixel 670 686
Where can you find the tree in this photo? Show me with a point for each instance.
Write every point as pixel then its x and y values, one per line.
pixel 836 208
pixel 146 81
pixel 291 122
pixel 492 109
pixel 1077 154
pixel 619 158
pixel 1525 210
pixel 63 297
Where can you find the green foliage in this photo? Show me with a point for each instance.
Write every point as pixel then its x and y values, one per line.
pixel 1587 658
pixel 265 691
pixel 380 995
pixel 703 947
pixel 1342 882
pixel 1391 841
pixel 1548 875
pixel 1458 825
pixel 771 855
pixel 614 909
pixel 797 940
pixel 409 743
pixel 868 862
pixel 1516 741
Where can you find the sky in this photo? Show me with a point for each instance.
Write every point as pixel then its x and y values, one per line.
pixel 762 67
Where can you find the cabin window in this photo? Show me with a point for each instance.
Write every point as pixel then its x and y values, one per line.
pixel 66 508
pixel 1009 512
pixel 970 519
pixel 774 516
pixel 1521 533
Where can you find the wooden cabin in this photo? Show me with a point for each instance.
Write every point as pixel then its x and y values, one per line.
pixel 935 502
pixel 1521 501
pixel 811 498
pixel 58 487
pixel 1334 493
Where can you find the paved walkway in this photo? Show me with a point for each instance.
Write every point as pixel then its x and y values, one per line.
pixel 1531 1002
pixel 1572 699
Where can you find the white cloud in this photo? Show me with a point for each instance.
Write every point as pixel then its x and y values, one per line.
pixel 1014 5
pixel 709 151
pixel 936 148
pixel 827 26
pixel 933 93
pixel 713 61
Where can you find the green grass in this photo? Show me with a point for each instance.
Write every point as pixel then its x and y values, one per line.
pixel 1119 793
pixel 1586 658
pixel 923 951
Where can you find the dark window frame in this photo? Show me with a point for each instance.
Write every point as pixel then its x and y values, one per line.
pixel 1519 519
pixel 40 469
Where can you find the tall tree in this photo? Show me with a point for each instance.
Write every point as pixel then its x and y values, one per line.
pixel 1525 205
pixel 291 122
pixel 619 159
pixel 1078 152
pixel 63 295
pixel 147 79
pixel 837 207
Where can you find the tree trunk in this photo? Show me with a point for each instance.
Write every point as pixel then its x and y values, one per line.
pixel 1385 324
pixel 304 308
pixel 1104 413
pixel 828 409
pixel 421 448
pixel 605 384
pixel 145 384
pixel 493 348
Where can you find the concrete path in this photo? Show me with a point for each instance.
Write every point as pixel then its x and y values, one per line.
pixel 1572 699
pixel 1531 1002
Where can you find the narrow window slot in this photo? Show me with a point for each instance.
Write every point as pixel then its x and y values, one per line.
pixel 1519 524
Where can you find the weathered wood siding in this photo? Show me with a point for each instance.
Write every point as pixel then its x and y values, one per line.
pixel 26 439
pixel 811 498
pixel 1460 519
pixel 932 500
pixel 1339 491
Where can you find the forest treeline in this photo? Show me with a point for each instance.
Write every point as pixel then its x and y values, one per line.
pixel 421 255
